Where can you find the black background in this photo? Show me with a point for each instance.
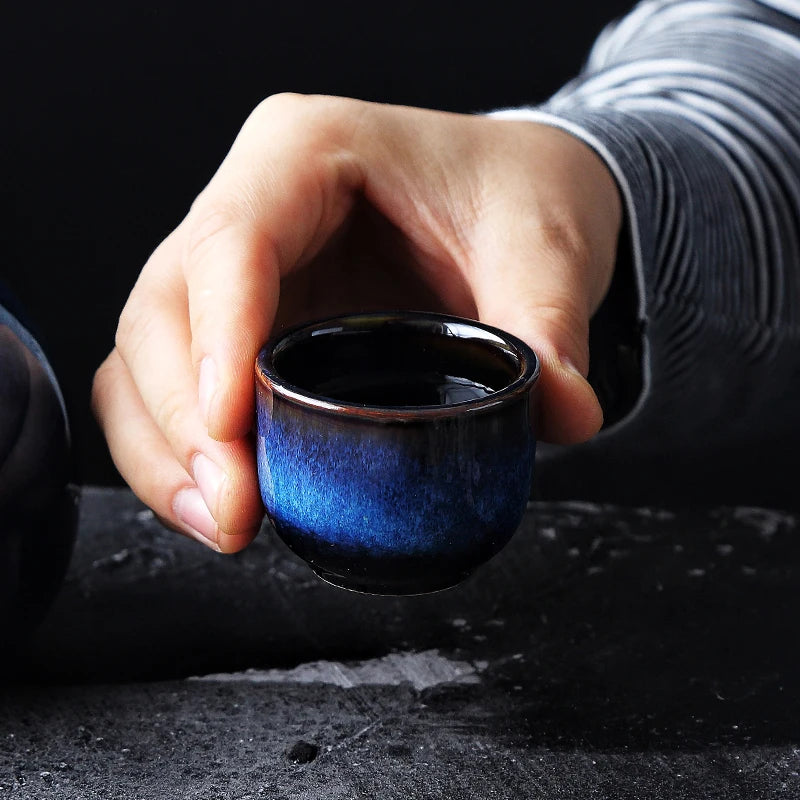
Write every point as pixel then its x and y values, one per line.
pixel 118 114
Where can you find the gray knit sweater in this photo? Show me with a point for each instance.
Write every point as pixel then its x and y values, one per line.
pixel 695 107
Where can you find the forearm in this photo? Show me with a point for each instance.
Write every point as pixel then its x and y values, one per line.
pixel 695 107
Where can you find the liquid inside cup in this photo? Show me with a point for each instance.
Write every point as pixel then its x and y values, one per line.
pixel 397 367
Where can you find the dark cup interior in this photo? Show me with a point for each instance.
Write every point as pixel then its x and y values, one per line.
pixel 400 363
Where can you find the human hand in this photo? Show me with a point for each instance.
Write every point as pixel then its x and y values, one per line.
pixel 327 205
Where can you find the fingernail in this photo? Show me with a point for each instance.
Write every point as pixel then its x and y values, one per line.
pixel 209 478
pixel 190 508
pixel 209 379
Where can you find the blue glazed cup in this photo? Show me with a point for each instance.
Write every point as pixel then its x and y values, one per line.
pixel 395 450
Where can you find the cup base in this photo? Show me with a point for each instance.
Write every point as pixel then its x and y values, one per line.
pixel 365 585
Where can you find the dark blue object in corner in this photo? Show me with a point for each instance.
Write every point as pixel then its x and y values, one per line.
pixel 38 504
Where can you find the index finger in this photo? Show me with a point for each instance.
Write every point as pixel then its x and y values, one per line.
pixel 283 190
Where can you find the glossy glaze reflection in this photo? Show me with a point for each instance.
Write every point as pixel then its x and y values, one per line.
pixel 395 452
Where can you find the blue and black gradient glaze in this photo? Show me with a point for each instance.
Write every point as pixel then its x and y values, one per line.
pixel 374 468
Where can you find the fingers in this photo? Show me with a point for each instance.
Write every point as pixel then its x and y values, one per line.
pixel 175 399
pixel 284 188
pixel 528 295
pixel 530 252
pixel 232 289
pixel 543 272
pixel 146 461
pixel 528 216
pixel 146 398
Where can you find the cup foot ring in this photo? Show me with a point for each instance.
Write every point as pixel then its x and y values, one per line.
pixel 366 585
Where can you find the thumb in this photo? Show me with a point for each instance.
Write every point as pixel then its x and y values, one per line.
pixel 542 294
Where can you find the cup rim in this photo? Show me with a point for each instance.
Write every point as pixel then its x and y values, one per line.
pixel 269 378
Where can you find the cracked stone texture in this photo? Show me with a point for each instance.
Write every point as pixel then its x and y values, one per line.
pixel 607 652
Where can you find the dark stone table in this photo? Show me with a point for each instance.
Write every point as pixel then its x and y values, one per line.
pixel 606 653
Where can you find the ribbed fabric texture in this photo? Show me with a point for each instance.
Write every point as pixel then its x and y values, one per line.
pixel 695 107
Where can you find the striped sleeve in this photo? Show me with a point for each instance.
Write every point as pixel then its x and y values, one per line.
pixel 695 107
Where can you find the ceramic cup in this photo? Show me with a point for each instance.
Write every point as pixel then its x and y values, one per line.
pixel 395 450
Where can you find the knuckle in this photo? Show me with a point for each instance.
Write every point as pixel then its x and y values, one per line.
pixel 290 104
pixel 126 327
pixel 170 417
pixel 133 326
pixel 558 320
pixel 563 240
pixel 292 115
pixel 206 222
pixel 565 322
pixel 569 329
pixel 204 317
pixel 311 121
pixel 279 103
